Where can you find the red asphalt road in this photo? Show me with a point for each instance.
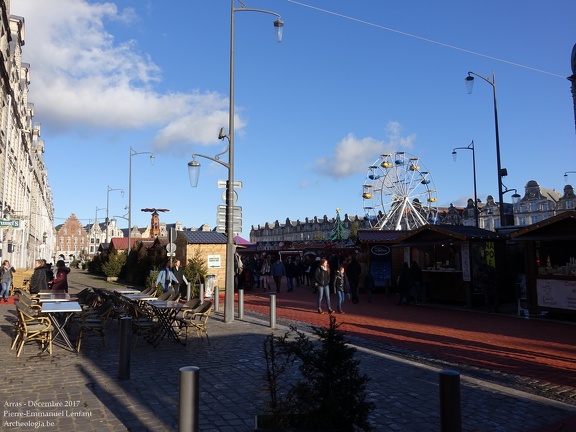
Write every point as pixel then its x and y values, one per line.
pixel 538 349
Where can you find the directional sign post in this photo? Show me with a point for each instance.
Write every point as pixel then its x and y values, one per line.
pixel 222 184
pixel 236 221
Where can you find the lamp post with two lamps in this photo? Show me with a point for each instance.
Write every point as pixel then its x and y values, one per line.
pixel 194 166
pixel 454 154
pixel 133 153
pixel 108 207
pixel 469 81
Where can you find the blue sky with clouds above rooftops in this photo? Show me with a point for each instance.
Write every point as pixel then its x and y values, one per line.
pixel 351 79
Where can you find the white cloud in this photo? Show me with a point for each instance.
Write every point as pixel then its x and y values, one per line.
pixel 353 155
pixel 83 78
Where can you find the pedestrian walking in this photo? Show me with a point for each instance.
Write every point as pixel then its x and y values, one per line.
pixel 182 284
pixel 340 287
pixel 353 271
pixel 322 284
pixel 416 273
pixel 278 271
pixel 38 280
pixel 60 281
pixel 166 277
pixel 404 284
pixel 369 285
pixel 291 273
pixel 265 273
pixel 6 272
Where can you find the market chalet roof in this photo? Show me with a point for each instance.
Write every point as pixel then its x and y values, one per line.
pixel 559 227
pixel 438 233
pixel 203 237
pixel 427 234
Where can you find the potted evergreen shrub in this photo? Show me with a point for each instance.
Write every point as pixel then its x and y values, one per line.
pixel 314 386
pixel 113 265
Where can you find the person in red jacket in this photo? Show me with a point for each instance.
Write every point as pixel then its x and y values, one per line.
pixel 60 281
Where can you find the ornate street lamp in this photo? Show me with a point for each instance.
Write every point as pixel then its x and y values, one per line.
pixel 515 198
pixel 566 175
pixel 133 153
pixel 469 81
pixel 454 154
pixel 572 79
pixel 108 207
pixel 194 165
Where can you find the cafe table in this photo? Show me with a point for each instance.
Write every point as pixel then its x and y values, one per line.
pixel 59 313
pixel 54 297
pixel 127 291
pixel 139 297
pixel 166 312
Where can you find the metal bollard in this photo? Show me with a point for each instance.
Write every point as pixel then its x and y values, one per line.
pixel 201 293
pixel 450 408
pixel 216 299
pixel 124 348
pixel 240 303
pixel 189 399
pixel 188 291
pixel 272 311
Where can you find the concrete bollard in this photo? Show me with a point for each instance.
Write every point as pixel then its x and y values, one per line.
pixel 189 399
pixel 272 311
pixel 216 299
pixel 124 348
pixel 450 407
pixel 201 293
pixel 240 303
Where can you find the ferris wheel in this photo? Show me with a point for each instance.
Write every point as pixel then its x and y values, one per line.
pixel 399 193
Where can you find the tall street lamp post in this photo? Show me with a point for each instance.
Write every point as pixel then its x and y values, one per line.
pixel 194 166
pixel 108 207
pixel 566 175
pixel 454 154
pixel 572 79
pixel 469 80
pixel 133 153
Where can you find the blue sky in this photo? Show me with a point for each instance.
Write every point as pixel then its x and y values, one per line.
pixel 351 79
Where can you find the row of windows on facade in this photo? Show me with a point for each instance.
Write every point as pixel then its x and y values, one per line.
pixel 70 240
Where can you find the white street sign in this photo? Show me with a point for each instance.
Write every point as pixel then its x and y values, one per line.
pixel 222 184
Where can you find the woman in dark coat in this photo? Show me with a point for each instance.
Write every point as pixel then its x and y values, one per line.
pixel 38 280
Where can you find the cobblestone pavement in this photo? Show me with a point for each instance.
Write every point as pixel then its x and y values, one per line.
pixel 81 392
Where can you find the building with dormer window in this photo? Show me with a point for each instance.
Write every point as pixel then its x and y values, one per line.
pixel 537 204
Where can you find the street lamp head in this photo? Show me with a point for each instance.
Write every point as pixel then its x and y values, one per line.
pixel 454 155
pixel 221 134
pixel 469 81
pixel 279 26
pixel 194 172
pixel 152 158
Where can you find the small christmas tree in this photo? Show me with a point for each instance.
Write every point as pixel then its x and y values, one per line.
pixel 329 393
pixel 338 230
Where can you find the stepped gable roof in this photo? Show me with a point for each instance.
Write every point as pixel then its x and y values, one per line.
pixel 203 237
pixel 429 234
pixel 380 236
pixel 559 227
